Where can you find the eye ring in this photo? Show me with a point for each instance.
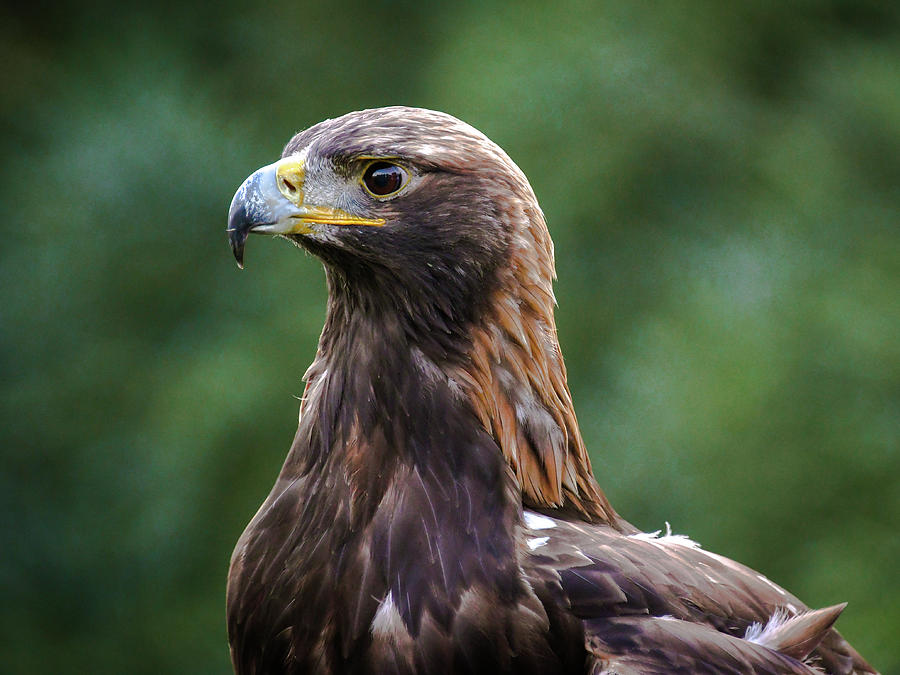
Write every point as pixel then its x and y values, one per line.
pixel 383 179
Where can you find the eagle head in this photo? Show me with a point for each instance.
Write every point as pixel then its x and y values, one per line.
pixel 396 198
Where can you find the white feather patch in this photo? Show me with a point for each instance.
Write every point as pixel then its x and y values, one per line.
pixel 387 622
pixel 763 634
pixel 537 542
pixel 667 539
pixel 535 521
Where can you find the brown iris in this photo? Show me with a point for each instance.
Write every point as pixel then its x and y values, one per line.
pixel 383 178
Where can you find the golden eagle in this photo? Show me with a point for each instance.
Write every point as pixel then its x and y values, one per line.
pixel 437 512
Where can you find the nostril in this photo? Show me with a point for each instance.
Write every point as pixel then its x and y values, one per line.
pixel 289 178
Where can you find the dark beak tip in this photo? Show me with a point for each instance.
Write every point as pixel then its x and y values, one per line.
pixel 237 248
pixel 247 211
pixel 239 225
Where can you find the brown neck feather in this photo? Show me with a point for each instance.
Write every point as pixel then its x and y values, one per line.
pixel 516 382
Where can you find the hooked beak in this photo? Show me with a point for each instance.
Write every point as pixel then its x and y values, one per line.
pixel 271 201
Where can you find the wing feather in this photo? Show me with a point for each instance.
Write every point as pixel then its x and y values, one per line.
pixel 626 583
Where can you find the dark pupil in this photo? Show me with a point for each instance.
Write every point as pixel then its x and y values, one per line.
pixel 382 178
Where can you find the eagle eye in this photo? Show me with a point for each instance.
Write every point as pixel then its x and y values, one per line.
pixel 383 179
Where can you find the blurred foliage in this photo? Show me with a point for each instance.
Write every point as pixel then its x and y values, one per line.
pixel 723 184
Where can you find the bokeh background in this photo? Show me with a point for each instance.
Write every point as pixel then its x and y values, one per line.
pixel 723 184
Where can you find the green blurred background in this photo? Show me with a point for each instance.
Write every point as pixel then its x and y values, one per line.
pixel 723 184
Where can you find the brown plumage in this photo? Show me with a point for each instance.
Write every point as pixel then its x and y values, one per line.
pixel 437 511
